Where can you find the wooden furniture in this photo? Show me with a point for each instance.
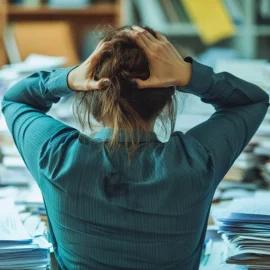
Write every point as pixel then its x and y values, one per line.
pixel 3 19
pixel 52 38
pixel 80 20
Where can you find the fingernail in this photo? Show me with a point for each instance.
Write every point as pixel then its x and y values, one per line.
pixel 134 84
pixel 106 82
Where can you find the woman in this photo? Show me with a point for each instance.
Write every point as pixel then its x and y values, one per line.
pixel 123 199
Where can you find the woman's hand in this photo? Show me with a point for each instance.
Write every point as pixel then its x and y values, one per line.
pixel 167 67
pixel 81 78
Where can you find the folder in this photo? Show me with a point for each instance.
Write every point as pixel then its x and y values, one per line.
pixel 211 18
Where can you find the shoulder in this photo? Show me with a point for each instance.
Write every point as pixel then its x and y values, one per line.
pixel 187 152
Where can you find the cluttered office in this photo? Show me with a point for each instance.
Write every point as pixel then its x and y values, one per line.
pixel 135 134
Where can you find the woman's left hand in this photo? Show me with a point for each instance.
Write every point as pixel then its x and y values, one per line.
pixel 81 78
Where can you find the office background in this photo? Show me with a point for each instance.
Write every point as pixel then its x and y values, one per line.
pixel 228 35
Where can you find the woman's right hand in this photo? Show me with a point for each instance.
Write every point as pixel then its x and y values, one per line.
pixel 167 67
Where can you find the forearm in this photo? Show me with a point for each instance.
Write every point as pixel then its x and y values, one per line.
pixel 240 109
pixel 40 90
pixel 222 90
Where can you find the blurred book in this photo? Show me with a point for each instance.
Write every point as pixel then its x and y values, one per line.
pixel 180 12
pixel 235 11
pixel 102 1
pixel 170 12
pixel 263 14
pixel 265 169
pixel 212 28
pixel 17 2
pixel 235 174
pixel 151 13
pixel 32 3
pixel 69 3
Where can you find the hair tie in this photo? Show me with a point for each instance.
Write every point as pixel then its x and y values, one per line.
pixel 127 88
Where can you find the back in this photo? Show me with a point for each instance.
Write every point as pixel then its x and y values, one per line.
pixel 149 214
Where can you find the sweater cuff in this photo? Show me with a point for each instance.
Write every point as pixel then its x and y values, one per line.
pixel 58 82
pixel 201 78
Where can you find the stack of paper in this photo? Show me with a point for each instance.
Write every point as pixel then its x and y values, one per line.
pixel 18 250
pixel 14 172
pixel 31 199
pixel 246 230
pixel 266 171
pixel 35 62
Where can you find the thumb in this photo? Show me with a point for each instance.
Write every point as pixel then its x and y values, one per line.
pixel 94 85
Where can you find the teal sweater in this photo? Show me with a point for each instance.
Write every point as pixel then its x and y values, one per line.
pixel 150 214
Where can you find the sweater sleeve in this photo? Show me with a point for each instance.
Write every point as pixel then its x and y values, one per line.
pixel 24 107
pixel 240 108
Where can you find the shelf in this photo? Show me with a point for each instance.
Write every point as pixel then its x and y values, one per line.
pixel 263 30
pixel 93 10
pixel 181 29
pixel 188 29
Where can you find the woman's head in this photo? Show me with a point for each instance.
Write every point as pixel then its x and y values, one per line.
pixel 121 105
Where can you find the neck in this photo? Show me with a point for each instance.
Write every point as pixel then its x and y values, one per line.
pixel 146 127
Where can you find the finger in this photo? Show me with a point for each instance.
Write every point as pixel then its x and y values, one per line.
pixel 94 85
pixel 170 46
pixel 95 56
pixel 99 44
pixel 139 41
pixel 146 40
pixel 145 32
pixel 160 37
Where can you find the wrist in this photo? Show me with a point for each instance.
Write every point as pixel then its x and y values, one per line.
pixel 71 79
pixel 184 75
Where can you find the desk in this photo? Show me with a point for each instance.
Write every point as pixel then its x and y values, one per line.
pixel 54 266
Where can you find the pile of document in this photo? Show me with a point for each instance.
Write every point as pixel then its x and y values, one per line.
pixel 266 171
pixel 31 199
pixel 245 228
pixel 18 248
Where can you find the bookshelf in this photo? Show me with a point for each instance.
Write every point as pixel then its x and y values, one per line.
pixel 3 14
pixel 249 32
pixel 80 20
pixel 19 12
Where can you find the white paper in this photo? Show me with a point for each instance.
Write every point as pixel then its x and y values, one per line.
pixel 35 62
pixel 260 206
pixel 11 227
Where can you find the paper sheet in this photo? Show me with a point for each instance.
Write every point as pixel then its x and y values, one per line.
pixel 11 227
pixel 259 206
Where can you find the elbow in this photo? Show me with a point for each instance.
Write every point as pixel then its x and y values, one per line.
pixel 3 102
pixel 264 95
pixel 265 100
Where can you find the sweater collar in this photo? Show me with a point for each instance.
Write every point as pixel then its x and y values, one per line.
pixel 106 135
